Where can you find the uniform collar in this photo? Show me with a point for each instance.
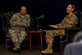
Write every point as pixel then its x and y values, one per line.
pixel 22 14
pixel 69 15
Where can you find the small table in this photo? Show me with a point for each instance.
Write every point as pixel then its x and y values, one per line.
pixel 36 33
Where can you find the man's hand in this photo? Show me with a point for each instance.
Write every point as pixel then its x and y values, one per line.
pixel 22 24
pixel 54 26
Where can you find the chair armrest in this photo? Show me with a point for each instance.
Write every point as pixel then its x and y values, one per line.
pixel 72 28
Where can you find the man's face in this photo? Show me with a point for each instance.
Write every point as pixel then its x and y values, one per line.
pixel 69 9
pixel 23 10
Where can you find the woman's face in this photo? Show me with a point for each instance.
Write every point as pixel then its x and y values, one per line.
pixel 69 8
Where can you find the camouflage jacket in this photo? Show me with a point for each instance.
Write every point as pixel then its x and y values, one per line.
pixel 17 19
pixel 68 21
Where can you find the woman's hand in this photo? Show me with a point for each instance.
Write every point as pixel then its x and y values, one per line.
pixel 54 26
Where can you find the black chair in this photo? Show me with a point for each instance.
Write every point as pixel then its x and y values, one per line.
pixel 70 32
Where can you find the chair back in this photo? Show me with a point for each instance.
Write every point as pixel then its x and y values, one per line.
pixel 6 23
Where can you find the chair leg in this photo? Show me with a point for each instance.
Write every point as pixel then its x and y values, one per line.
pixel 61 46
pixel 6 46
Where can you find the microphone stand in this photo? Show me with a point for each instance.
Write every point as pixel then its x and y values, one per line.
pixel 37 23
pixel 42 16
pixel 33 23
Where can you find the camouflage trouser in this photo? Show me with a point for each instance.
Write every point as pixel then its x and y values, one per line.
pixel 50 34
pixel 17 36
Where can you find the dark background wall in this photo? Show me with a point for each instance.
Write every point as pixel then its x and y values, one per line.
pixel 54 10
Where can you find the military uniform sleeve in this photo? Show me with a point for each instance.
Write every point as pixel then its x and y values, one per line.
pixel 28 20
pixel 59 24
pixel 13 20
pixel 70 22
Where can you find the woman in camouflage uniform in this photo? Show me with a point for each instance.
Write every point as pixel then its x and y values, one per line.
pixel 69 21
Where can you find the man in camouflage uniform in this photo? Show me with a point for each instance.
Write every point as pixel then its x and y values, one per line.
pixel 69 21
pixel 19 22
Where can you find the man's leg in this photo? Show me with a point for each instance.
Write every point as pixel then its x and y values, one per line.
pixel 22 35
pixel 14 38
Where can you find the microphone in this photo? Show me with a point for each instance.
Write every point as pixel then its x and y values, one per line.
pixel 42 16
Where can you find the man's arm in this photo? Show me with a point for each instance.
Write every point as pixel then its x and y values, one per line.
pixel 13 20
pixel 16 20
pixel 26 22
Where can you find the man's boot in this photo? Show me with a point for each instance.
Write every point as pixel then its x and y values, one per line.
pixel 17 47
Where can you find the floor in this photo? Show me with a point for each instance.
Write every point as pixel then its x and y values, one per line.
pixel 3 51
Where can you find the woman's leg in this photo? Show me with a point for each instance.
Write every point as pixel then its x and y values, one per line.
pixel 49 40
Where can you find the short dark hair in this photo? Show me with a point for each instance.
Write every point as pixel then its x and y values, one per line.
pixel 73 6
pixel 24 6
